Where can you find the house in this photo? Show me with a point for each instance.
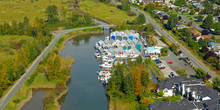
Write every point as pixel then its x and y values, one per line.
pixel 184 9
pixel 197 37
pixel 172 6
pixel 195 32
pixel 205 36
pixel 158 0
pixel 209 40
pixel 152 51
pixel 199 6
pixel 197 95
pixel 214 47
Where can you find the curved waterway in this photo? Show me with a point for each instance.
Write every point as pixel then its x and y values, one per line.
pixel 85 92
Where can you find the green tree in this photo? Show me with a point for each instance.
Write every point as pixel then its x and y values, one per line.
pixel 129 84
pixel 145 77
pixel 150 7
pixel 180 3
pixel 202 42
pixel 164 51
pixel 166 9
pixel 125 6
pixel 216 27
pixel 208 21
pixel 200 18
pixel 140 19
pixel 52 12
pixel 172 21
pixel 192 12
pixel 160 93
pixel 216 82
pixel 181 71
pixel 200 73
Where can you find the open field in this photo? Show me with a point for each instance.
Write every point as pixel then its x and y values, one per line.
pixel 10 44
pixel 18 10
pixel 106 12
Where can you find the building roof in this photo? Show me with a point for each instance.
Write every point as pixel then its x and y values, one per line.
pixel 169 82
pixel 181 105
pixel 205 36
pixel 208 40
pixel 153 50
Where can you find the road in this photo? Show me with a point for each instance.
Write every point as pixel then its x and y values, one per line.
pixel 194 60
pixel 58 34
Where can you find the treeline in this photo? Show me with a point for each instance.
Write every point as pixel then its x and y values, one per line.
pixel 15 68
pixel 132 81
pixel 24 28
pixel 58 17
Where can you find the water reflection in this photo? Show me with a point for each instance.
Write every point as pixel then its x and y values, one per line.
pixel 85 38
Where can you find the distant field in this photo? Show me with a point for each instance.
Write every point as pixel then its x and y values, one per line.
pixel 18 10
pixel 106 12
pixel 9 46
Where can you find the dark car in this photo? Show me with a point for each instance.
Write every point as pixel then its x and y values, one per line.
pixel 180 58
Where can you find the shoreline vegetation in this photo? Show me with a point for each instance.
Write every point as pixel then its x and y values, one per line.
pixel 38 80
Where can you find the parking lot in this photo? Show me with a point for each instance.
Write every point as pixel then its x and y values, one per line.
pixel 167 70
pixel 176 64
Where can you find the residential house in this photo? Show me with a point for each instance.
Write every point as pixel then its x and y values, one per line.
pixel 209 40
pixel 214 47
pixel 158 0
pixel 184 9
pixel 205 36
pixel 198 95
pixel 199 6
pixel 197 37
pixel 172 6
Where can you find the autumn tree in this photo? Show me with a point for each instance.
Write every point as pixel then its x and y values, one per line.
pixel 137 72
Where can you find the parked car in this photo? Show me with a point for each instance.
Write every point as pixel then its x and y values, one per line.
pixel 180 58
pixel 170 62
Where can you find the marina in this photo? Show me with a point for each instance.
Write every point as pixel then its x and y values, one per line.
pixel 117 48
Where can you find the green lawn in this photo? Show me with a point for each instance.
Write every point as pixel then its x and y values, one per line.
pixel 18 10
pixel 106 12
pixel 9 46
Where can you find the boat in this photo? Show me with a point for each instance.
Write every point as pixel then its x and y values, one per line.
pixel 97 55
pixel 96 46
pixel 106 64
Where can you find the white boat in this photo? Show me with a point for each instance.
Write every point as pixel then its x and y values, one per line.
pixel 106 64
pixel 97 55
pixel 97 45
pixel 134 55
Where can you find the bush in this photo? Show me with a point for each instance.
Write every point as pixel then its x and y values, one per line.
pixel 160 93
pixel 181 71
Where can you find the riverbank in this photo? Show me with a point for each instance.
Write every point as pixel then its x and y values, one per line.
pixel 38 79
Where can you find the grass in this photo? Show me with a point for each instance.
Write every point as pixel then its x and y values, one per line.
pixel 18 10
pixel 122 104
pixel 9 46
pixel 105 12
pixel 41 80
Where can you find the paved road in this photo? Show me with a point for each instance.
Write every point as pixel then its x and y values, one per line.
pixel 58 34
pixel 159 30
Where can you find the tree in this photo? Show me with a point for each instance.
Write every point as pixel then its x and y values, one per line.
pixel 180 3
pixel 179 17
pixel 202 42
pixel 125 6
pixel 190 23
pixel 150 7
pixel 145 77
pixel 208 7
pixel 129 84
pixel 200 18
pixel 205 32
pixel 140 19
pixel 204 49
pixel 181 71
pixel 164 51
pixel 200 73
pixel 213 61
pixel 192 12
pixel 172 21
pixel 147 101
pixel 136 72
pixel 52 12
pixel 216 82
pixel 160 93
pixel 208 21
pixel 216 27
pixel 166 9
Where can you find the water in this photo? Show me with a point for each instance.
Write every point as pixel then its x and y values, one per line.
pixel 85 91
pixel 36 102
